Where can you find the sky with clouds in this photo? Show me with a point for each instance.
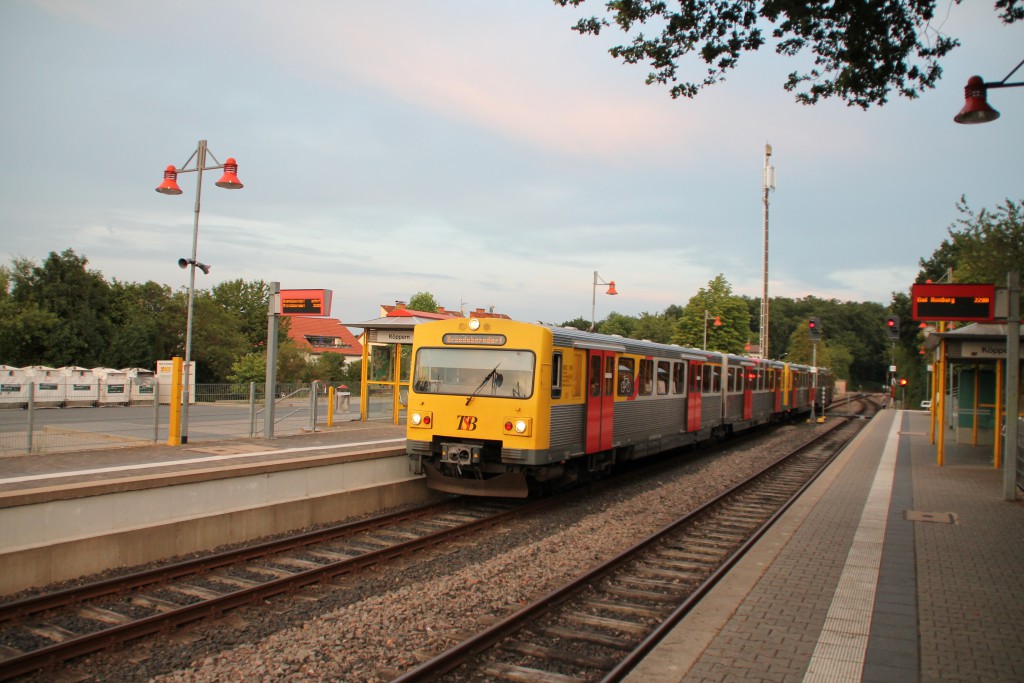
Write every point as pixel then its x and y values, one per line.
pixel 481 151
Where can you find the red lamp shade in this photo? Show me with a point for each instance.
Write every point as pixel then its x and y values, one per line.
pixel 976 109
pixel 170 183
pixel 611 288
pixel 229 180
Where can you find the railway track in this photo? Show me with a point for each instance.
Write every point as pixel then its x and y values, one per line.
pixel 44 631
pixel 601 624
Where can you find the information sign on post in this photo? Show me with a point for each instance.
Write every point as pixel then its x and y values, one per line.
pixel 966 302
pixel 306 302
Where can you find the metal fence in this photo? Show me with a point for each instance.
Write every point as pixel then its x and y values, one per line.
pixel 217 411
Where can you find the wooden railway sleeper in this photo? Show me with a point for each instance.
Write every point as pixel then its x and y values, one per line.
pixel 527 675
pixel 618 625
pixel 543 652
pixel 602 639
pixel 624 608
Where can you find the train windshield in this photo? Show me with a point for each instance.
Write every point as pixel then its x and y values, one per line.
pixel 474 372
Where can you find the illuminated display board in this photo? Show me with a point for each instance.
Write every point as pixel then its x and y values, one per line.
pixel 306 302
pixel 974 303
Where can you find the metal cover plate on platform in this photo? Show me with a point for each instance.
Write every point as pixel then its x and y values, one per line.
pixel 938 517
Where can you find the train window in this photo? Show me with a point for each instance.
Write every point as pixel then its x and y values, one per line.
pixel 609 376
pixel 595 376
pixel 645 377
pixel 662 384
pixel 678 378
pixel 625 383
pixel 730 380
pixel 556 374
pixel 506 373
pixel 712 379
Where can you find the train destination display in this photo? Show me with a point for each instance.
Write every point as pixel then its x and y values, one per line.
pixel 967 302
pixel 306 302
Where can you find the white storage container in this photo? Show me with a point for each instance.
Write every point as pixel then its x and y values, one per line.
pixel 143 385
pixel 49 391
pixel 13 387
pixel 114 388
pixel 81 385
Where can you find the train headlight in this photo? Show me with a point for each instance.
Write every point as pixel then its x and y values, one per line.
pixel 518 426
pixel 420 419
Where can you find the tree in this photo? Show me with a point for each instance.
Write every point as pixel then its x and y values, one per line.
pixel 72 301
pixel 802 350
pixel 617 323
pixel 423 301
pixel 217 339
pixel 717 300
pixel 862 50
pixel 143 318
pixel 249 300
pixel 580 323
pixel 655 327
pixel 329 367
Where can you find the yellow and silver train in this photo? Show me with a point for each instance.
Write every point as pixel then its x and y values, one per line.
pixel 498 407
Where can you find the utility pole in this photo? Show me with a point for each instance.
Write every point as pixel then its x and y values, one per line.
pixel 768 184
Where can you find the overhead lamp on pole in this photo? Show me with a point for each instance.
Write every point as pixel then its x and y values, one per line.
pixel 229 181
pixel 976 107
pixel 593 297
pixel 717 323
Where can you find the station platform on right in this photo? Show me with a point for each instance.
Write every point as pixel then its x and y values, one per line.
pixel 889 568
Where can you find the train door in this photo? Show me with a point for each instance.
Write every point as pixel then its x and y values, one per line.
pixel 600 399
pixel 786 388
pixel 693 397
pixel 749 376
pixel 776 384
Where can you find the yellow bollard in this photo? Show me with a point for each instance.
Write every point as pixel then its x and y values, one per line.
pixel 330 406
pixel 174 421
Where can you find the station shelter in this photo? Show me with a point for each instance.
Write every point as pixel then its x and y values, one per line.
pixel 968 386
pixel 386 361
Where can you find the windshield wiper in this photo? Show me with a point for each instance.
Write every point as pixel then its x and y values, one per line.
pixel 489 376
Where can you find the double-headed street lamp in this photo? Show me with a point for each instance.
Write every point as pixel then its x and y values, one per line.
pixel 228 181
pixel 593 297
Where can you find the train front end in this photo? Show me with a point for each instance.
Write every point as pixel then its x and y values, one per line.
pixel 477 414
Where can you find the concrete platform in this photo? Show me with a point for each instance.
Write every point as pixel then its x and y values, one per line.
pixel 67 515
pixel 889 568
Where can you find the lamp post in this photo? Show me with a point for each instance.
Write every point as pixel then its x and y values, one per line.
pixel 228 181
pixel 976 108
pixel 717 323
pixel 593 297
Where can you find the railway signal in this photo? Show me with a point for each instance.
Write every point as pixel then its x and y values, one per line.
pixel 892 327
pixel 814 328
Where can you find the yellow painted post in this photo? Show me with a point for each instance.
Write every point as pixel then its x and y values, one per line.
pixel 976 406
pixel 330 406
pixel 396 388
pixel 940 448
pixel 174 421
pixel 364 389
pixel 997 449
